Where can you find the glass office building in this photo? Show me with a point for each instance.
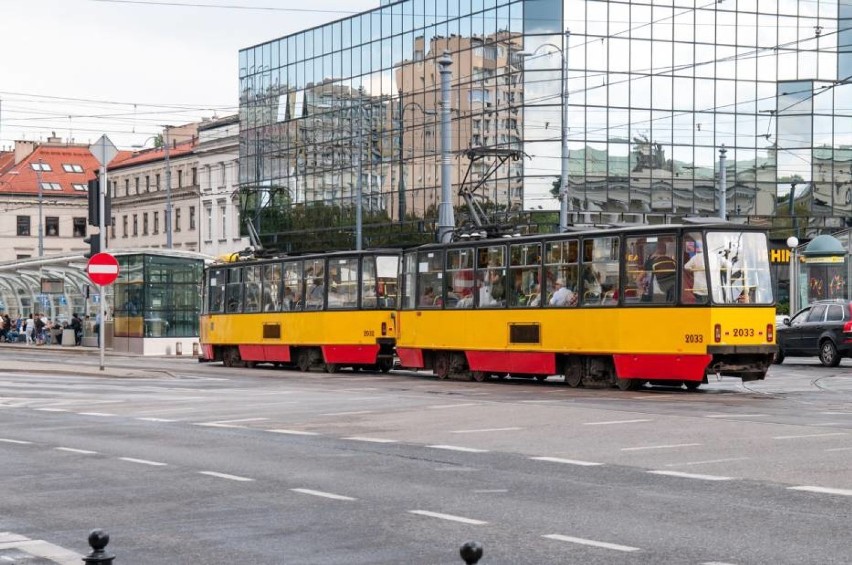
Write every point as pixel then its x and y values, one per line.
pixel 655 90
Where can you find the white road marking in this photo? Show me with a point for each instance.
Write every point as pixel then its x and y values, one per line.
pixel 372 439
pixel 448 517
pixel 38 548
pixel 811 435
pixel 143 461
pixel 613 422
pixel 717 563
pixel 293 432
pixel 824 490
pixel 73 450
pixel 322 494
pixel 837 413
pixel 100 414
pixel 458 448
pixel 356 413
pixel 18 441
pixel 593 543
pixel 156 420
pixel 672 446
pixel 707 462
pixel 51 410
pixel 225 476
pixel 840 449
pixel 735 415
pixel 229 423
pixel 443 406
pixel 690 476
pixel 566 461
pixel 485 430
pixel 491 491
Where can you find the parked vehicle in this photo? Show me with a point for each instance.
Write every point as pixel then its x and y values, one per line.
pixel 823 329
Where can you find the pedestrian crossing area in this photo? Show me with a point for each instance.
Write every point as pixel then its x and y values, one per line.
pixel 21 550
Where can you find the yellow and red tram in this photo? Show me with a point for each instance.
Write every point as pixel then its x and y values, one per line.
pixel 600 305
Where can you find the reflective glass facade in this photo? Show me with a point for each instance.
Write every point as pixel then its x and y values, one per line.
pixel 655 89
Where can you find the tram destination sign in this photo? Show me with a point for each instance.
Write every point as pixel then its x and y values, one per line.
pixel 102 269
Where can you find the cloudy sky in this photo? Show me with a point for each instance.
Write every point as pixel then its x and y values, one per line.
pixel 82 68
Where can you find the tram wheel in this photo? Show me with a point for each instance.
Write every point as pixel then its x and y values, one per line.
pixel 304 360
pixel 626 384
pixel 332 367
pixel 692 385
pixel 574 379
pixel 250 364
pixel 385 365
pixel 442 365
pixel 541 378
pixel 231 357
pixel 479 376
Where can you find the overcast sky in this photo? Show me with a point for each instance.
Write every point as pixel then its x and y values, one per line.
pixel 78 67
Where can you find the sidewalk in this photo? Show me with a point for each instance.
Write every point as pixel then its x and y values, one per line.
pixel 67 362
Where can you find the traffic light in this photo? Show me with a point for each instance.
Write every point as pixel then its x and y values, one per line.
pixel 94 242
pixel 95 203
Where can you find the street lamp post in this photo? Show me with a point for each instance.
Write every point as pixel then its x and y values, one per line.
pixel 793 243
pixel 446 219
pixel 564 196
pixel 723 184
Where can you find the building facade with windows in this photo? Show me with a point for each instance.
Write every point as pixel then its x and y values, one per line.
pixel 347 113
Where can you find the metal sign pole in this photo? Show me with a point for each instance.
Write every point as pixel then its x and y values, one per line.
pixel 100 323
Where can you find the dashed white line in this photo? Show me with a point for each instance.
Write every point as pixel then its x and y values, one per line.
pixel 99 414
pixel 707 462
pixel 735 416
pixel 372 439
pixel 690 476
pixel 356 413
pixel 229 423
pixel 17 441
pixel 322 494
pixel 593 543
pixel 823 490
pixel 567 461
pixel 671 446
pixel 444 406
pixel 143 462
pixel 293 432
pixel 51 410
pixel 486 430
pixel 74 450
pixel 449 517
pixel 811 435
pixel 458 448
pixel 225 476
pixel 614 422
pixel 156 420
pixel 840 449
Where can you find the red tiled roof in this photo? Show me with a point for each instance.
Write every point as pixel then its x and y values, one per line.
pixel 156 154
pixel 23 179
pixel 7 160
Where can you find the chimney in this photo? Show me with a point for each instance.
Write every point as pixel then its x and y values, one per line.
pixel 23 149
pixel 53 139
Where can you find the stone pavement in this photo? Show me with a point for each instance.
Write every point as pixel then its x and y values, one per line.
pixel 68 360
pixel 15 548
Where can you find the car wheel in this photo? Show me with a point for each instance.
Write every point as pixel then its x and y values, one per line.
pixel 778 358
pixel 828 354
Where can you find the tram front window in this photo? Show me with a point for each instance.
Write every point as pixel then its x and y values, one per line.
pixel 738 268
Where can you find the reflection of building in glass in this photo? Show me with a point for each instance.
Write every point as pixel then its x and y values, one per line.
pixel 652 99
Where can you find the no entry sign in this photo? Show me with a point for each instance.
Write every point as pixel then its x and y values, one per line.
pixel 102 269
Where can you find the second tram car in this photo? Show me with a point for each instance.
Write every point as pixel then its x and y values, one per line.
pixel 668 304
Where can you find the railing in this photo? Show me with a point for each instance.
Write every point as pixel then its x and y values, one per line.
pixel 471 551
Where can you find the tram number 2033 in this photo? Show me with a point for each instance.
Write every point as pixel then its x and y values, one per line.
pixel 694 338
pixel 743 332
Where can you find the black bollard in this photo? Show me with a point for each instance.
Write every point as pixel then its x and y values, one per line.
pixel 471 552
pixel 98 540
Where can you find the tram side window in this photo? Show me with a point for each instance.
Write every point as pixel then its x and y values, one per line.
pixel 430 279
pixel 525 274
pixel 561 273
pixel 651 269
pixel 694 273
pixel 378 282
pixel 251 301
pixel 271 287
pixel 600 275
pixel 409 278
pixel 491 276
pixel 216 291
pixel 460 278
pixel 293 291
pixel 314 281
pixel 234 291
pixel 342 283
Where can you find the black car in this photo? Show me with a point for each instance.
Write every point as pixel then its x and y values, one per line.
pixel 823 329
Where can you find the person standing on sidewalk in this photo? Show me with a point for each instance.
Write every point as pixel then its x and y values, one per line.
pixel 29 329
pixel 77 326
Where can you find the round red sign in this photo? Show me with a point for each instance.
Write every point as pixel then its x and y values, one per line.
pixel 102 269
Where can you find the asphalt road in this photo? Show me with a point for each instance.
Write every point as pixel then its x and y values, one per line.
pixel 206 465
